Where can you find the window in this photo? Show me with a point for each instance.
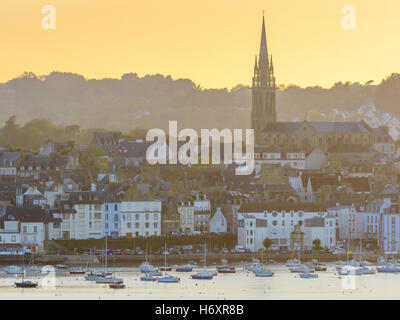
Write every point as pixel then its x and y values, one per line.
pixel 115 225
pixel 106 216
pixel 137 217
pixel 106 225
pixel 129 216
pixel 115 207
pixel 137 225
pixel 128 225
pixel 147 216
pixel 13 238
pixel 147 225
pixel 155 216
pixel 35 229
pixel 25 229
pixel 155 225
pixel 106 207
pixel 274 223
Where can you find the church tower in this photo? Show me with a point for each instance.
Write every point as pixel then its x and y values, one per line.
pixel 263 89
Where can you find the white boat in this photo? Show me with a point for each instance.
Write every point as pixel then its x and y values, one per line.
pixel 300 269
pixel 388 269
pixel 350 270
pixel 365 270
pixel 109 280
pixel 293 263
pixel 61 266
pixel 167 278
pixel 203 274
pixel 307 275
pixel 14 270
pixel 263 273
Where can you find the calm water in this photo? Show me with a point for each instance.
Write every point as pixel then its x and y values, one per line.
pixel 241 285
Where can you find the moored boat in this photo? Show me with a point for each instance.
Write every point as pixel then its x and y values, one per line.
pixel 168 279
pixel 109 280
pixel 202 275
pixel 388 269
pixel 14 270
pixel 78 270
pixel 184 269
pixel 117 286
pixel 26 284
pixel 226 269
pixel 263 273
pixel 307 275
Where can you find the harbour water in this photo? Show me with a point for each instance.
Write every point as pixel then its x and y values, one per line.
pixel 238 286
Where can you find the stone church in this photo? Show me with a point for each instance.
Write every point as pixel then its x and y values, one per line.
pixel 305 135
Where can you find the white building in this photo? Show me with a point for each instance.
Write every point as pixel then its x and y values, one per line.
pixel 140 218
pixel 274 220
pixel 350 223
pixel 320 228
pixel 218 222
pixel 390 230
pixel 374 211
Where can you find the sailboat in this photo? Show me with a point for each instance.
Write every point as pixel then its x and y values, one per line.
pixel 167 278
pixel 203 274
pixel 146 267
pixel 262 272
pixel 348 269
pixel 25 283
pixel 108 277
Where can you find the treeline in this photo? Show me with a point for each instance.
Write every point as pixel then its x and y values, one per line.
pixel 150 101
pixel 211 240
pixel 33 134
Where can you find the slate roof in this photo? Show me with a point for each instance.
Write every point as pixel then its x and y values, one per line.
pixel 9 159
pixel 283 206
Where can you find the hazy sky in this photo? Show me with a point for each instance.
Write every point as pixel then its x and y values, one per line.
pixel 212 42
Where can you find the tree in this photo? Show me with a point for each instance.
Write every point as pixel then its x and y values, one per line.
pixel 317 244
pixel 267 243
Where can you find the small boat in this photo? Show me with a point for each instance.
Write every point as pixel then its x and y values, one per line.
pixel 168 279
pixel 109 280
pixel 184 269
pixel 293 263
pixel 202 275
pixel 117 286
pixel 192 263
pixel 154 273
pixel 320 267
pixel 14 270
pixel 307 275
pixel 77 271
pixel 350 270
pixel 263 273
pixel 366 270
pixel 227 269
pixel 146 277
pixel 61 266
pixel 26 284
pixel 299 269
pixel 165 268
pixel 388 269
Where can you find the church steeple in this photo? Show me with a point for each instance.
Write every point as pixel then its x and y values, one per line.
pixel 264 75
pixel 264 88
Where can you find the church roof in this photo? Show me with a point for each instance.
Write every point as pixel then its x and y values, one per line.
pixel 323 127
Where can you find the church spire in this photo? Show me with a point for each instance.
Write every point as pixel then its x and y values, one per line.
pixel 263 57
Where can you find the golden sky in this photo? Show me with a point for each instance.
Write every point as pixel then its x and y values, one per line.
pixel 212 42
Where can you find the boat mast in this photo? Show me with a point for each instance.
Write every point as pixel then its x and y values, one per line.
pixel 105 261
